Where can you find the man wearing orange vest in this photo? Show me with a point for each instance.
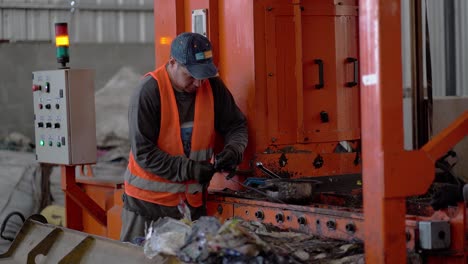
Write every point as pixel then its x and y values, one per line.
pixel 173 117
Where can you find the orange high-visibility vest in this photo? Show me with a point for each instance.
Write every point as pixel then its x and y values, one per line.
pixel 150 187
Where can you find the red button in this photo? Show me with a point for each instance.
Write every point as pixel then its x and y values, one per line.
pixel 40 106
pixel 36 88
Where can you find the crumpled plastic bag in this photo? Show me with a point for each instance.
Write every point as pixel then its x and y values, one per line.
pixel 166 236
pixel 235 240
pixel 195 248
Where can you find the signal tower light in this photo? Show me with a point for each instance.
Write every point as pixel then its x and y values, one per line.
pixel 62 42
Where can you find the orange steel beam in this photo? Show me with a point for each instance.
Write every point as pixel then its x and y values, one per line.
pixel 389 172
pixel 168 23
pixel 385 163
pixel 76 198
pixel 446 139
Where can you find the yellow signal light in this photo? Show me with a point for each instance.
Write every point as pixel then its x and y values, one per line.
pixel 61 41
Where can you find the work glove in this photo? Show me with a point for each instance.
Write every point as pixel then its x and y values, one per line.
pixel 446 195
pixel 202 171
pixel 227 160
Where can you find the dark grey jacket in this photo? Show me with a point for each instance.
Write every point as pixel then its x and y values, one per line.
pixel 144 117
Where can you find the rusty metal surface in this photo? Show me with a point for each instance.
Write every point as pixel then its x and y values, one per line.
pixel 325 220
pixel 43 243
pixel 342 224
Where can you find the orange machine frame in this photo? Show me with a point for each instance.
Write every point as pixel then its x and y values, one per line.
pixel 389 172
pixel 243 40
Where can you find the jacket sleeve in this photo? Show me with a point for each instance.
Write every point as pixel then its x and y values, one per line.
pixel 144 114
pixel 230 122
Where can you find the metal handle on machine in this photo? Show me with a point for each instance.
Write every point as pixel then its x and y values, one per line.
pixel 356 73
pixel 267 171
pixel 321 83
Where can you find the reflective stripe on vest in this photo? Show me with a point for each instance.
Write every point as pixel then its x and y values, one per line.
pixel 204 154
pixel 150 187
pixel 158 186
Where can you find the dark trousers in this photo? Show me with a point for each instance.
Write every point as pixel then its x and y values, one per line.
pixel 134 224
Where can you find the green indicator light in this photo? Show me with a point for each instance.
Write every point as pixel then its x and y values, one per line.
pixel 62 53
pixel 58 144
pixel 41 142
pixel 51 143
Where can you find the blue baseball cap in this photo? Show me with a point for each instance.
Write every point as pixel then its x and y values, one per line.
pixel 194 51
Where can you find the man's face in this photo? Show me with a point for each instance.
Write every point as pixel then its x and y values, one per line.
pixel 182 80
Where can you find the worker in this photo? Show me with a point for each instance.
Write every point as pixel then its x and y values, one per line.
pixel 173 117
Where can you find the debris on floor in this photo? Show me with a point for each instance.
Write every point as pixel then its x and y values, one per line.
pixel 236 241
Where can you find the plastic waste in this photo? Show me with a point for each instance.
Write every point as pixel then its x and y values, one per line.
pixel 165 236
pixel 195 248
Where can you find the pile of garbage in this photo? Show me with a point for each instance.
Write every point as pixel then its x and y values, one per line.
pixel 236 241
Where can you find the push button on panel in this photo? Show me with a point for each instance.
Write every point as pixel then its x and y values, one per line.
pixel 36 87
pixel 40 124
pixel 57 125
pixel 47 106
pixel 48 125
pixel 47 87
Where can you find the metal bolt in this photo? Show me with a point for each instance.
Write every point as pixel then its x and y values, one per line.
pixel 331 224
pixel 302 220
pixel 318 161
pixel 279 217
pixel 259 215
pixel 220 209
pixel 350 228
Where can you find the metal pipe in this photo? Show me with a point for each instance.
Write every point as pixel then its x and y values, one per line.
pixel 450 49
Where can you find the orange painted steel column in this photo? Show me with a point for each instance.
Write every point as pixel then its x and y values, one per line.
pixel 447 138
pixel 168 23
pixel 389 173
pixel 380 56
pixel 77 200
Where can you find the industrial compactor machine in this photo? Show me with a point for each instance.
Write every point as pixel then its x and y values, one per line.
pixel 320 83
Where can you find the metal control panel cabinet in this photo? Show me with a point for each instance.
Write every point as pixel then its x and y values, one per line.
pixel 64 116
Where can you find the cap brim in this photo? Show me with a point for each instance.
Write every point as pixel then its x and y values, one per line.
pixel 202 71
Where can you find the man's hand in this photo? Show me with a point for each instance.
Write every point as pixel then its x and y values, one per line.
pixel 202 171
pixel 226 160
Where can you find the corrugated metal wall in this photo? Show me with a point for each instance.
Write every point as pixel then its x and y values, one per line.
pixel 436 21
pixel 461 30
pixel 90 21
